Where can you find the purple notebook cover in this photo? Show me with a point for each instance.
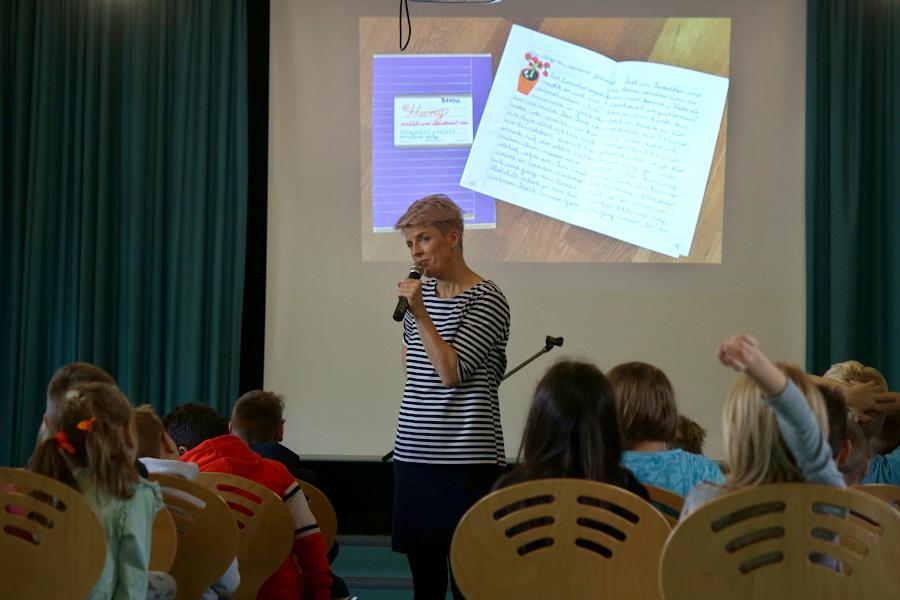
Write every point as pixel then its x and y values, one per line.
pixel 402 175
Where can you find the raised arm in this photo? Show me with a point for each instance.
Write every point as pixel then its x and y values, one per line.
pixel 796 420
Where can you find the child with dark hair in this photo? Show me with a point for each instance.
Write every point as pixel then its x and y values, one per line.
pixel 572 431
pixel 93 451
pixel 204 438
pixel 648 417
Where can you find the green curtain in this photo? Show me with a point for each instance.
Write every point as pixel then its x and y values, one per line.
pixel 123 188
pixel 853 184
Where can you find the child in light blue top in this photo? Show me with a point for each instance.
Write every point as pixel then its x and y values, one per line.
pixel 884 468
pixel 645 402
pixel 93 450
pixel 674 470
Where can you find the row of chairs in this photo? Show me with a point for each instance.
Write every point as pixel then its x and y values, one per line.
pixel 205 525
pixel 566 538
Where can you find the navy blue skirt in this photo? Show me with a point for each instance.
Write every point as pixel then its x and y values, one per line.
pixel 429 500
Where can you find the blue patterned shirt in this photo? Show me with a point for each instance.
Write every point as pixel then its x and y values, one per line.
pixel 674 470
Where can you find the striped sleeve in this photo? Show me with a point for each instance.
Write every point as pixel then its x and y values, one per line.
pixel 304 521
pixel 484 324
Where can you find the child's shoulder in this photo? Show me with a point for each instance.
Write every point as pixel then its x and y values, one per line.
pixel 147 493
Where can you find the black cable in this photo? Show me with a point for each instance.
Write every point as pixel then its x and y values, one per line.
pixel 405 4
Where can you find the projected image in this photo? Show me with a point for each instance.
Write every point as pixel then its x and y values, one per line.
pixel 595 140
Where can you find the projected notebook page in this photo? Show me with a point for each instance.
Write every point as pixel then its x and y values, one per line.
pixel 623 149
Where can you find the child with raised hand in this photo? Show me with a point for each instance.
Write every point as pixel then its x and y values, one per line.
pixel 648 416
pixel 93 450
pixel 775 423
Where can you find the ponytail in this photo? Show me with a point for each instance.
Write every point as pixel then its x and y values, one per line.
pixel 88 439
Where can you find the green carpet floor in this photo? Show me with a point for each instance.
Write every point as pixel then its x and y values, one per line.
pixel 371 570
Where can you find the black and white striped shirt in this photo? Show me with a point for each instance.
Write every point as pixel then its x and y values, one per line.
pixel 458 425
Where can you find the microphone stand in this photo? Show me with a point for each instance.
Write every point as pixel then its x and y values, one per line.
pixel 549 343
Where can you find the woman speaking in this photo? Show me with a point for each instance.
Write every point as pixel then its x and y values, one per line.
pixel 449 445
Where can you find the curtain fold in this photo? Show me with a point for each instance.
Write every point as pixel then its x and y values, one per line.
pixel 123 176
pixel 853 184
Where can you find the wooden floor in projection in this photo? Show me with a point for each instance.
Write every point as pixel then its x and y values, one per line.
pixel 522 235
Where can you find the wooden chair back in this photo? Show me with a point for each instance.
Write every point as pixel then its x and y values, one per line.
pixel 322 510
pixel 785 541
pixel 52 544
pixel 164 542
pixel 669 503
pixel 265 525
pixel 888 493
pixel 559 538
pixel 206 530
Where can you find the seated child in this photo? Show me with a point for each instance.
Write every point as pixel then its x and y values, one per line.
pixel 93 450
pixel 204 437
pixel 258 419
pixel 158 453
pixel 774 423
pixel 689 436
pixel 572 431
pixel 881 431
pixel 648 417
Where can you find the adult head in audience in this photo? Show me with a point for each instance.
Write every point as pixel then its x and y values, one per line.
pixel 689 436
pixel 572 430
pixel 648 416
pixel 190 425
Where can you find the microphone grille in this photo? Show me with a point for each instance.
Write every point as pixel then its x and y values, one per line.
pixel 417 269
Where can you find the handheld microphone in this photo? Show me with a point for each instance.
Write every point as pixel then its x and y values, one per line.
pixel 415 272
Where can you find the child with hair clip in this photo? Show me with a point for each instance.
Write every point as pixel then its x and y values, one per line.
pixel 93 451
pixel 775 425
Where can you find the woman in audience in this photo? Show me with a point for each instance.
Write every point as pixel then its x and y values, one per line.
pixel 572 431
pixel 649 421
pixel 93 450
pixel 775 424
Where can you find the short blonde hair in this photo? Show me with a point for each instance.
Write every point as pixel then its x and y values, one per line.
pixel 853 370
pixel 436 210
pixel 645 403
pixel 754 445
pixel 149 429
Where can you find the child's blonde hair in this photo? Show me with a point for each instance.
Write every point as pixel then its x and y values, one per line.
pixel 149 430
pixel 876 433
pixel 88 437
pixel 756 450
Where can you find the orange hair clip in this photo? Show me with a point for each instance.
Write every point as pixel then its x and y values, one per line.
pixel 86 424
pixel 62 442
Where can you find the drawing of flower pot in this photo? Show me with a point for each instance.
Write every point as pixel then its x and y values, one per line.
pixel 528 78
